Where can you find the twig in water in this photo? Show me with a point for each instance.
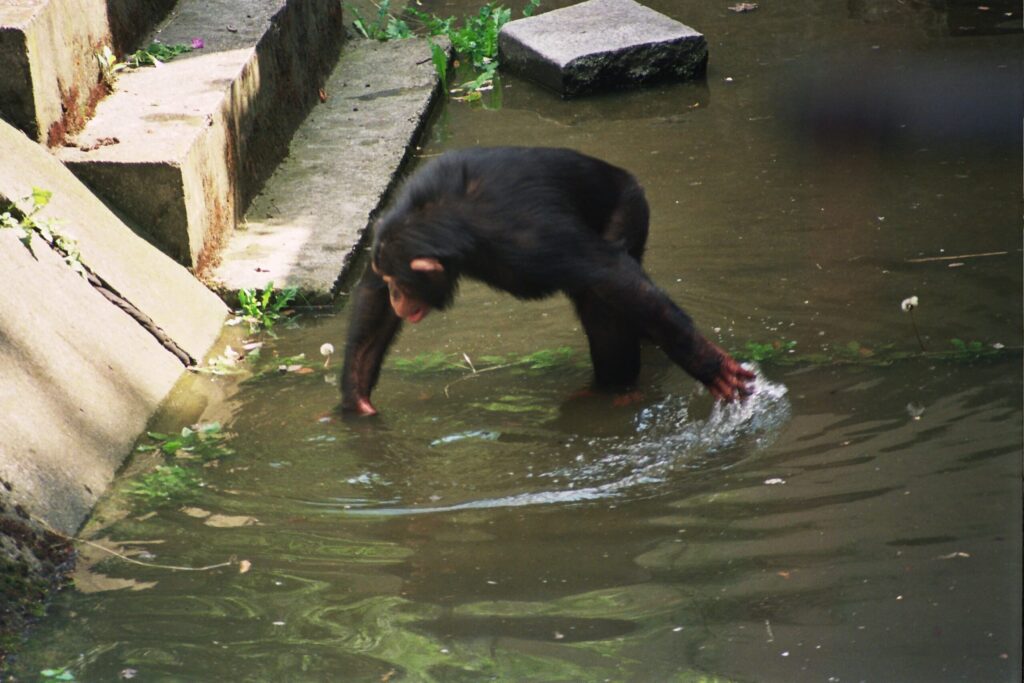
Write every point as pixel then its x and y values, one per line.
pixel 132 560
pixel 929 259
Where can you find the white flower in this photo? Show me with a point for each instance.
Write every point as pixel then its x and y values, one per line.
pixel 909 304
pixel 326 349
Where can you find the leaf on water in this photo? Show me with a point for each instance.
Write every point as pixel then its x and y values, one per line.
pixel 480 434
pixel 198 513
pixel 231 521
pixel 87 581
pixel 244 566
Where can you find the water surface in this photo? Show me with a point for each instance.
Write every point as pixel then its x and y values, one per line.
pixel 855 521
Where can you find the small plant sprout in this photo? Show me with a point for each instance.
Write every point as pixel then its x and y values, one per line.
pixel 27 225
pixel 907 306
pixel 261 310
pixel 109 66
pixel 326 350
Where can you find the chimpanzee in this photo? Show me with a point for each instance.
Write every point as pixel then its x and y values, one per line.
pixel 531 222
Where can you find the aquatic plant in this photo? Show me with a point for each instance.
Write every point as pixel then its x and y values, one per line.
pixel 176 479
pixel 474 39
pixel 164 484
pixel 262 310
pixel 203 442
pixel 854 352
pixel 438 361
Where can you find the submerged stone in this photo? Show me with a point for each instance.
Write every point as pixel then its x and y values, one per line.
pixel 601 45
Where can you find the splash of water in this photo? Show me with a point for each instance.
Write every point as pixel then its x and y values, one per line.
pixel 666 441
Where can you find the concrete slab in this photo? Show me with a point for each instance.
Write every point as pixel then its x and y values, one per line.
pixel 181 149
pixel 162 289
pixel 49 76
pixel 80 380
pixel 601 45
pixel 302 228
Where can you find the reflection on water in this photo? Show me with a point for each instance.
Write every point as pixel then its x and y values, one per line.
pixel 854 520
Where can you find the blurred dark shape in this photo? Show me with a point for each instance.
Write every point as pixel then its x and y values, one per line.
pixel 899 103
pixel 952 17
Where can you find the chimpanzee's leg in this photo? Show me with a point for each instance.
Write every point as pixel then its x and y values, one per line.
pixel 614 344
pixel 628 223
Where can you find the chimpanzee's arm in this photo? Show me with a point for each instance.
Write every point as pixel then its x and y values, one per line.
pixel 625 288
pixel 372 327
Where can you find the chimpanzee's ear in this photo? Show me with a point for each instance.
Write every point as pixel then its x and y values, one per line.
pixel 426 265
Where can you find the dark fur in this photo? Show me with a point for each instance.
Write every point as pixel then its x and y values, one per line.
pixel 531 222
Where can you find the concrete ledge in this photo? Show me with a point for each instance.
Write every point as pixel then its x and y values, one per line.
pixel 80 381
pixel 49 76
pixel 166 292
pixel 601 45
pixel 81 377
pixel 303 227
pixel 181 149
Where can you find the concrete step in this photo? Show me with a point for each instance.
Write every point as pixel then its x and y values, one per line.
pixel 302 229
pixel 180 150
pixel 49 76
pixel 81 377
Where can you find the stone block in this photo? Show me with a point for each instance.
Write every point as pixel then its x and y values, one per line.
pixel 81 377
pixel 303 227
pixel 180 150
pixel 601 45
pixel 177 303
pixel 49 75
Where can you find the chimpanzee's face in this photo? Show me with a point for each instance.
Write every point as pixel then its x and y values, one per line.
pixel 406 304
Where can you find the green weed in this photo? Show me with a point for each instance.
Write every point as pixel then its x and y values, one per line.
pixel 155 54
pixel 204 442
pixel 474 39
pixel 177 479
pixel 385 26
pixel 970 350
pixel 27 226
pixel 109 65
pixel 439 361
pixel 164 484
pixel 759 353
pixel 262 310
pixel 429 362
pixel 854 352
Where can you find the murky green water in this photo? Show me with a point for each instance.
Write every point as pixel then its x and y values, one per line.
pixel 853 522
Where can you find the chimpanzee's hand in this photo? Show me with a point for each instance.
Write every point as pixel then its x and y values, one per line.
pixel 732 380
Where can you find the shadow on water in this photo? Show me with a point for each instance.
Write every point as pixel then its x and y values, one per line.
pixel 857 519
